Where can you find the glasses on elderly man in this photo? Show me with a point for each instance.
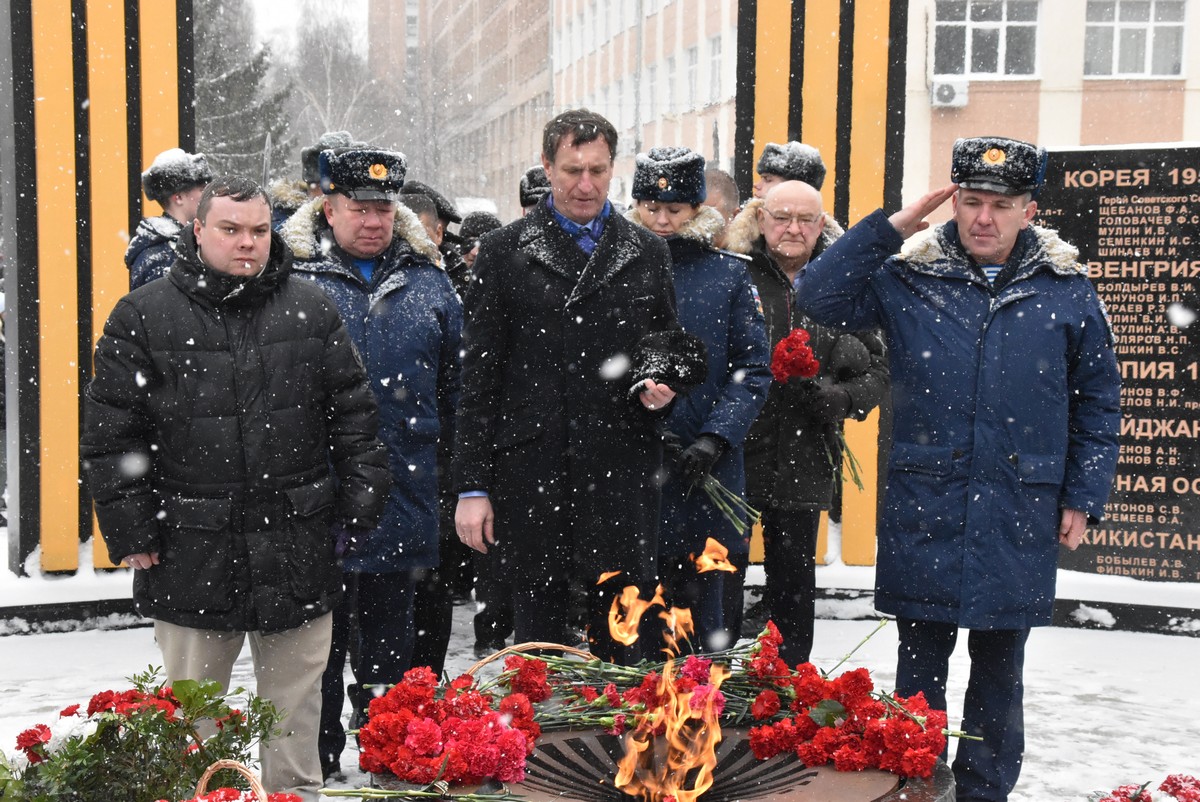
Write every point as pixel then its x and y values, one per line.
pixel 803 220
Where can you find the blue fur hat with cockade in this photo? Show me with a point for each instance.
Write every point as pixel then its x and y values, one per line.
pixel 998 164
pixel 669 175
pixel 363 174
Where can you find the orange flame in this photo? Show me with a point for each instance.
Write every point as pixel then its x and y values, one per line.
pixel 607 575
pixel 679 627
pixel 672 751
pixel 715 557
pixel 626 613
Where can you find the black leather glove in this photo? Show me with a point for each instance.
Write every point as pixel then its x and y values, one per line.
pixel 698 459
pixel 350 540
pixel 828 403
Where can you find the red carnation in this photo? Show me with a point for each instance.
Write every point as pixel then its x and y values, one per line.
pixel 530 677
pixel 696 668
pixel 424 737
pixel 765 705
pixel 31 740
pixel 794 357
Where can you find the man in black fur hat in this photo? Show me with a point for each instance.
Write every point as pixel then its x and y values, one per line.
pixel 175 181
pixel 792 161
pixel 534 186
pixel 289 195
pixel 556 451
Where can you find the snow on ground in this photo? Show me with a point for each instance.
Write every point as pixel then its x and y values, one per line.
pixel 1103 708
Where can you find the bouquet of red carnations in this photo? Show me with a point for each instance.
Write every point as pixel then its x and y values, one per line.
pixel 841 720
pixel 141 744
pixel 1176 788
pixel 422 732
pixel 793 358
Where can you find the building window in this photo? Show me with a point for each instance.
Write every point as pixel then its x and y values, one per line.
pixel 985 38
pixel 693 76
pixel 714 69
pixel 670 80
pixel 1134 38
pixel 651 89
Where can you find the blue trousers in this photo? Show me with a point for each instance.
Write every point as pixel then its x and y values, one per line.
pixel 374 624
pixel 993 708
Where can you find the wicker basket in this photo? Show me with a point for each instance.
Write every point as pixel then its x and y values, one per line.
pixel 256 786
pixel 517 648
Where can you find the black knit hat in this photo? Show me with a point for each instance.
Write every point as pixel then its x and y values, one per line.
pixel 534 186
pixel 363 174
pixel 476 224
pixel 673 357
pixel 310 167
pixel 998 164
pixel 175 170
pixel 669 175
pixel 794 161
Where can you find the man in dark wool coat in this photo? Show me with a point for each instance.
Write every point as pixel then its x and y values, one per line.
pixel 229 426
pixel 557 453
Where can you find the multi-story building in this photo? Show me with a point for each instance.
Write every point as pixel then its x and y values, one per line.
pixel 1063 74
pixel 1069 73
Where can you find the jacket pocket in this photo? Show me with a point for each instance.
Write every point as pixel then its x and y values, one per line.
pixel 195 571
pixel 1040 469
pixel 311 498
pixel 928 460
pixel 307 542
pixel 422 430
pixel 517 427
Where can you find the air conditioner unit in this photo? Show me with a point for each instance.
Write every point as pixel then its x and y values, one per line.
pixel 948 94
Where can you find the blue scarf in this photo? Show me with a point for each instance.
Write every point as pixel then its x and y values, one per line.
pixel 586 236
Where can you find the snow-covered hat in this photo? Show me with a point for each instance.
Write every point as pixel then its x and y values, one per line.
pixel 476 224
pixel 363 174
pixel 669 175
pixel 446 211
pixel 794 161
pixel 534 186
pixel 175 170
pixel 310 167
pixel 998 164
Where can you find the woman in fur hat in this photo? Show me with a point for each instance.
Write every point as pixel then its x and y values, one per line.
pixel 717 302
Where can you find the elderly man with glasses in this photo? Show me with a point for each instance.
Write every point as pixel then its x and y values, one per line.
pixel 792 451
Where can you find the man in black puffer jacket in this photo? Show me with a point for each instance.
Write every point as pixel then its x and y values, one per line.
pixel 229 427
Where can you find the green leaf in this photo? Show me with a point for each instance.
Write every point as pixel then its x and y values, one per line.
pixel 827 713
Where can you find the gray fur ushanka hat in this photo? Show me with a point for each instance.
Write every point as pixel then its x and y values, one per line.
pixel 669 175
pixel 793 161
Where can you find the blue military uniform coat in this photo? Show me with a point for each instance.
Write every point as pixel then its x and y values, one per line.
pixel 1006 411
pixel 407 325
pixel 715 301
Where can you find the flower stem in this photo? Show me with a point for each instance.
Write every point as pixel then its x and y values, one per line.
pixel 882 623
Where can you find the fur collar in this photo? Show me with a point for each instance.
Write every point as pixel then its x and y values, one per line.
pixel 744 233
pixel 301 232
pixel 288 194
pixel 936 254
pixel 703 228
